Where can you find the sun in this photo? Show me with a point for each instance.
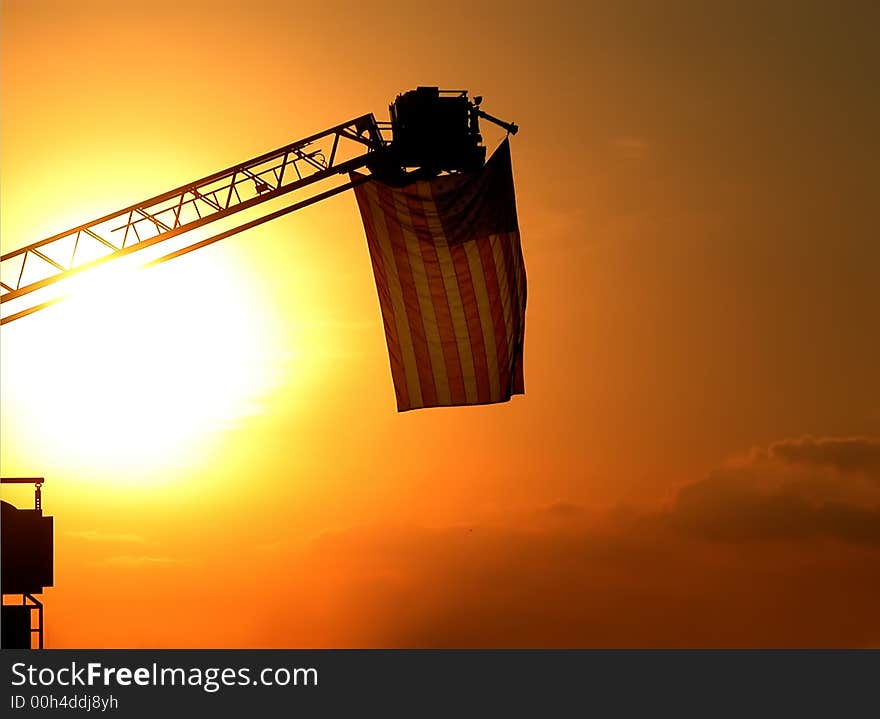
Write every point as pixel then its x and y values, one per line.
pixel 140 368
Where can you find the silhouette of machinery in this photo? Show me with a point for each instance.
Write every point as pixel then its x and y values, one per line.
pixel 430 131
pixel 26 567
pixel 436 130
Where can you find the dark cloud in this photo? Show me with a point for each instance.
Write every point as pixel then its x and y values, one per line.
pixel 793 489
pixel 847 454
pixel 643 586
pixel 730 505
pixel 753 555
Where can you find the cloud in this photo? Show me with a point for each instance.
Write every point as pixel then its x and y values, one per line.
pixel 500 586
pixel 92 535
pixel 760 553
pixel 793 489
pixel 139 560
pixel 731 505
pixel 846 454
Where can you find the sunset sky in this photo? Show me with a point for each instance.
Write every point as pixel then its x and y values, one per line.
pixel 696 460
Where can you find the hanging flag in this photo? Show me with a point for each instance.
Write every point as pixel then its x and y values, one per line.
pixel 452 284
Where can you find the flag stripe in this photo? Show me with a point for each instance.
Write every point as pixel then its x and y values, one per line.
pixel 410 374
pixel 518 271
pixel 413 314
pixel 513 277
pixel 503 287
pixel 439 299
pixel 484 313
pixel 453 296
pixel 487 261
pixel 427 319
pixel 459 321
pixel 472 318
pixel 505 245
pixel 385 303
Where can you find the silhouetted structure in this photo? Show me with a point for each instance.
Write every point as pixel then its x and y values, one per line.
pixel 431 131
pixel 26 567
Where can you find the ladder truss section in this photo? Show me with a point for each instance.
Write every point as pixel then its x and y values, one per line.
pixel 337 150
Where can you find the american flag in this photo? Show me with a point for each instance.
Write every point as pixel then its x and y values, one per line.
pixel 451 281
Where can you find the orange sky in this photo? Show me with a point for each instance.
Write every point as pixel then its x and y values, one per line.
pixel 697 459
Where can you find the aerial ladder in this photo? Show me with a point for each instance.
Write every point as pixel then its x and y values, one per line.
pixel 430 131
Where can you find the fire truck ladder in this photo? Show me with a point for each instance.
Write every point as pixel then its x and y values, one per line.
pixel 295 166
pixel 418 139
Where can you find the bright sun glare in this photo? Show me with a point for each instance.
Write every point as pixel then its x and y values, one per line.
pixel 139 368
